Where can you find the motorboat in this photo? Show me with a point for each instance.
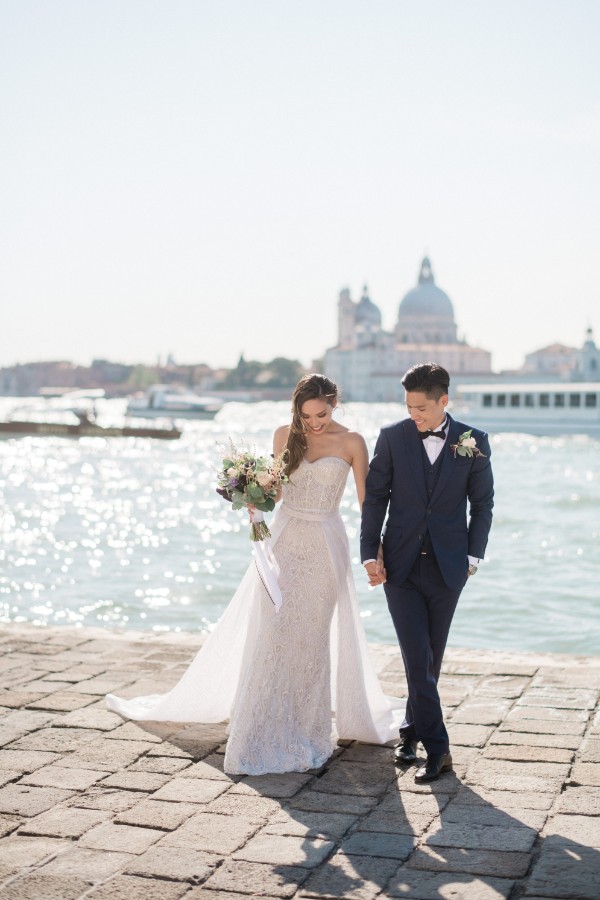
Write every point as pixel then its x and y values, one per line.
pixel 163 400
pixel 18 428
pixel 74 415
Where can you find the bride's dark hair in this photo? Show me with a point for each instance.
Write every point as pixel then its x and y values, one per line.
pixel 310 387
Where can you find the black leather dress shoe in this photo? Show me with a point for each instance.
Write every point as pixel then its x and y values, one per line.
pixel 433 768
pixel 406 751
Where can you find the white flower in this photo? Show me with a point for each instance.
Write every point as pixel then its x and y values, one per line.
pixel 467 445
pixel 265 479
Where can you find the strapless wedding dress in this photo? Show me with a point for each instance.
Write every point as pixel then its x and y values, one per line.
pixel 277 676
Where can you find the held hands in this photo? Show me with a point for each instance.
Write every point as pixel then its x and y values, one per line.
pixel 376 570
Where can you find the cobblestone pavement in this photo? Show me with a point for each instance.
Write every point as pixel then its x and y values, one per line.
pixel 94 807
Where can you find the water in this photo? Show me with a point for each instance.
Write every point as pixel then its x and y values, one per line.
pixel 131 533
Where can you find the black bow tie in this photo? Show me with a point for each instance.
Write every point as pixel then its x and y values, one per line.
pixel 439 434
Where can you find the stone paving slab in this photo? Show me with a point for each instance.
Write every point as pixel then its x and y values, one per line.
pixel 584 801
pixel 58 776
pixel 565 869
pixel 315 801
pixel 18 854
pixel 130 887
pixel 279 786
pixel 469 735
pixel 95 807
pixel 94 866
pixel 527 739
pixel 125 838
pixel 25 761
pixel 586 773
pixel 50 887
pixel 185 865
pixel 238 876
pixel 387 822
pixel 285 850
pixel 521 753
pixel 489 815
pixel 25 800
pixel 502 863
pixel 425 886
pixel 481 837
pixel 353 877
pixel 9 824
pixel 213 833
pixel 311 824
pixel 64 822
pixel 157 814
pixel 103 798
pixel 507 800
pixel 379 844
pixel 580 829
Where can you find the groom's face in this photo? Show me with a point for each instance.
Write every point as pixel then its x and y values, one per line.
pixel 426 412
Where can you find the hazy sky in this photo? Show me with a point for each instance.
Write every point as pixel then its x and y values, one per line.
pixel 202 177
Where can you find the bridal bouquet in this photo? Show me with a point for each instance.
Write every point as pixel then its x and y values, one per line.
pixel 246 479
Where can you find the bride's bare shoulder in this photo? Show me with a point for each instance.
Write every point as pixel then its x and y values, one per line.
pixel 280 438
pixel 355 442
pixel 351 442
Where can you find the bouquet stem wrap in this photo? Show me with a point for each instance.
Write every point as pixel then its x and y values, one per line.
pixel 258 529
pixel 268 568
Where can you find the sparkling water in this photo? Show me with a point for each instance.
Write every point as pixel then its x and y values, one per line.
pixel 131 533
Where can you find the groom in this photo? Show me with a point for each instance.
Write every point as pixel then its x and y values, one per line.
pixel 424 470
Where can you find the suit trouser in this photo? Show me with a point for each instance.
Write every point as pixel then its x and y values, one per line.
pixel 422 609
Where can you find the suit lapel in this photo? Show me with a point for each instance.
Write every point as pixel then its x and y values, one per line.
pixel 414 451
pixel 447 464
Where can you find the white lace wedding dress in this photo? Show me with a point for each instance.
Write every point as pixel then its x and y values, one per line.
pixel 277 676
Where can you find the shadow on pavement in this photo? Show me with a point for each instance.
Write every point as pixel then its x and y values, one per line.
pixel 359 827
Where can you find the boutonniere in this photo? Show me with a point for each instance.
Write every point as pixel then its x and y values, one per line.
pixel 467 445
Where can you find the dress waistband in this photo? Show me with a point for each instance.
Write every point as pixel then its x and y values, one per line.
pixel 307 514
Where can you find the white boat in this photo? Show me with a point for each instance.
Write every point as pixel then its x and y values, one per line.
pixel 544 408
pixel 164 400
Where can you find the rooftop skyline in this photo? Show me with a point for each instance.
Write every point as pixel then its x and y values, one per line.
pixel 202 179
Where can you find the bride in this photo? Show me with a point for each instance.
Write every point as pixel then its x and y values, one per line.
pixel 277 675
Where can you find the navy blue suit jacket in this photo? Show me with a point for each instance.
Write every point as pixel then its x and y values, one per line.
pixel 396 488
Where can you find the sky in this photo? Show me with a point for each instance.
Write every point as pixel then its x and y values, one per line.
pixel 202 177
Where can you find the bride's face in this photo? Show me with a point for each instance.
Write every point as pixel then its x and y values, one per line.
pixel 316 415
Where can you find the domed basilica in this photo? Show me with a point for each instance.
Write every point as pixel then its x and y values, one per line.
pixel 368 362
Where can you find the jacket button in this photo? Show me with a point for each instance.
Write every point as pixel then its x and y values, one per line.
pixel 428 512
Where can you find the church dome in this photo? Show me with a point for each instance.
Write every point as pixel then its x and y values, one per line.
pixel 366 311
pixel 426 314
pixel 427 299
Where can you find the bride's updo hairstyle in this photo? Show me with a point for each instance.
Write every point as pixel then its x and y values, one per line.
pixel 310 387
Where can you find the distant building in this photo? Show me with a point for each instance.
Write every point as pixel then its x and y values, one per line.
pixel 55 377
pixel 368 362
pixel 560 362
pixel 556 360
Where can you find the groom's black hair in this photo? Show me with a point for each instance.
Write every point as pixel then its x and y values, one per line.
pixel 429 378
